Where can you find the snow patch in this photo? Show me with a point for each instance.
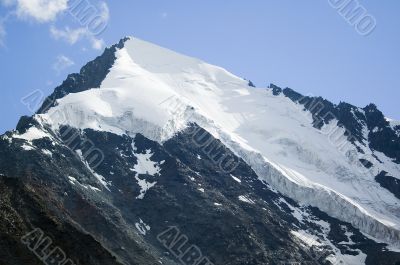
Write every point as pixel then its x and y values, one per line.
pixel 142 227
pixel 145 166
pixel 31 134
pixel 6 138
pixel 236 179
pixel 296 212
pixel 74 181
pixel 321 243
pixel 100 178
pixel 308 239
pixel 27 147
pixel 47 152
pixel 246 199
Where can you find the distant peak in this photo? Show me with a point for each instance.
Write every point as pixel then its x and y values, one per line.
pixel 371 107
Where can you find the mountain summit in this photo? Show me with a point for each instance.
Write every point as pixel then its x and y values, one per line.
pixel 148 156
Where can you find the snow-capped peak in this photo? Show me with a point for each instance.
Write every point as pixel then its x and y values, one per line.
pixel 156 92
pixel 151 85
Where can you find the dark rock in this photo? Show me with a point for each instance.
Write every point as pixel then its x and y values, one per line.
pixel 390 183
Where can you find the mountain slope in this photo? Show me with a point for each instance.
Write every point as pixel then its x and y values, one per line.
pixel 160 140
pixel 265 127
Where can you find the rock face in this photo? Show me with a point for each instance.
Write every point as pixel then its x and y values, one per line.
pixel 108 184
pixel 389 182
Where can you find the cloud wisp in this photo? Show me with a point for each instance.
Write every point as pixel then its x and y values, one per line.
pixel 41 11
pixel 62 63
pixel 93 19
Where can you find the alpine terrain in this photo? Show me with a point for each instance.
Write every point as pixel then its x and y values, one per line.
pixel 151 157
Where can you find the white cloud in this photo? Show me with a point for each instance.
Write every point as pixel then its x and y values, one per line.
pixel 69 35
pixel 40 10
pixel 97 44
pixel 72 36
pixel 62 63
pixel 44 11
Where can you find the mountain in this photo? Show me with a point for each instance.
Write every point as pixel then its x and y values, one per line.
pixel 151 157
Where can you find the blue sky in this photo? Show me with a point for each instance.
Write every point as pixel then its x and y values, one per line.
pixel 306 45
